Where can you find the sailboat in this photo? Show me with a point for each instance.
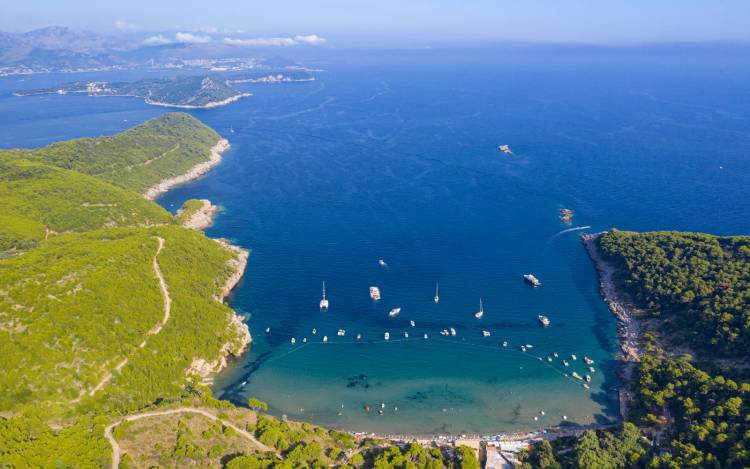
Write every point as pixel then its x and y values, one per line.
pixel 324 301
pixel 437 297
pixel 479 313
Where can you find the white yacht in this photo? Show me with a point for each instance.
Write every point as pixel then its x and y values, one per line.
pixel 382 263
pixel 314 331
pixel 325 338
pixel 268 330
pixel 386 336
pixel 532 280
pixel 341 333
pixel 544 320
pixel 485 333
pixel 359 336
pixel 505 343
pixel 394 312
pixel 293 341
pixel 324 301
pixel 437 297
pixel 406 335
pixel 375 293
pixel 505 149
pixel 479 313
pixel 412 323
pixel 425 337
pixel 573 356
pixel 453 332
pixel 444 332
pixel 588 361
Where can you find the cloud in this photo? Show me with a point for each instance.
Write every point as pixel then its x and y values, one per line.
pixel 179 37
pixel 123 25
pixel 312 39
pixel 191 38
pixel 208 29
pixel 157 40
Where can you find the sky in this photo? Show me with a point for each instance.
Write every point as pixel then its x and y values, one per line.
pixel 402 23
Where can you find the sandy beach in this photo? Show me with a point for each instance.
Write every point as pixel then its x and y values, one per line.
pixel 195 172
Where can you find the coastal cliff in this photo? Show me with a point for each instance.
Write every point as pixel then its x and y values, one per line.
pixel 241 338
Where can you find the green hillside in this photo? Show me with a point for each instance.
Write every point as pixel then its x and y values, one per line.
pixel 138 158
pixel 38 197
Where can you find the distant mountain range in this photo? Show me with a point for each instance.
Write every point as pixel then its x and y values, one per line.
pixel 63 49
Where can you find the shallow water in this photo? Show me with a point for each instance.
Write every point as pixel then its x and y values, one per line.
pixel 395 157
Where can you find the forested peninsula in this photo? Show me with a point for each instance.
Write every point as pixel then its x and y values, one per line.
pixel 688 387
pixel 111 319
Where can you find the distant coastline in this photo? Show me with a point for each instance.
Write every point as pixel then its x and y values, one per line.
pixel 209 105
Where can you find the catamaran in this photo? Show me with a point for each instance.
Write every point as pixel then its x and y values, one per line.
pixel 479 313
pixel 437 297
pixel 324 301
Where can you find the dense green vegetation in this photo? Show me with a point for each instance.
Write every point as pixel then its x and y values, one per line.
pixel 138 158
pixel 80 301
pixel 37 197
pixel 76 248
pixel 624 448
pixel 697 287
pixel 700 281
pixel 180 91
pixel 706 418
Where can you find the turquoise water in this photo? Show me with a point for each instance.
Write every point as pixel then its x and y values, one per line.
pixel 394 156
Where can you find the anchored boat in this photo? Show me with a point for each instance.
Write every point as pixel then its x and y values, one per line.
pixel 479 313
pixel 532 280
pixel 544 320
pixel 324 301
pixel 437 297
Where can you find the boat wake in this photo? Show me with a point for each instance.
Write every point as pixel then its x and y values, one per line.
pixel 577 228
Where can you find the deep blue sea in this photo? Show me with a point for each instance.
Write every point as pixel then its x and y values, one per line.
pixel 393 156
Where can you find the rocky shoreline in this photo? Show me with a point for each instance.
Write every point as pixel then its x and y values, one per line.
pixel 202 218
pixel 195 172
pixel 628 329
pixel 238 345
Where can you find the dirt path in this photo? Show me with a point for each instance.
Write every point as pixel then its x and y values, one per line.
pixel 156 329
pixel 116 452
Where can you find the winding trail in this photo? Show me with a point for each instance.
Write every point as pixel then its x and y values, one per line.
pixel 116 452
pixel 155 330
